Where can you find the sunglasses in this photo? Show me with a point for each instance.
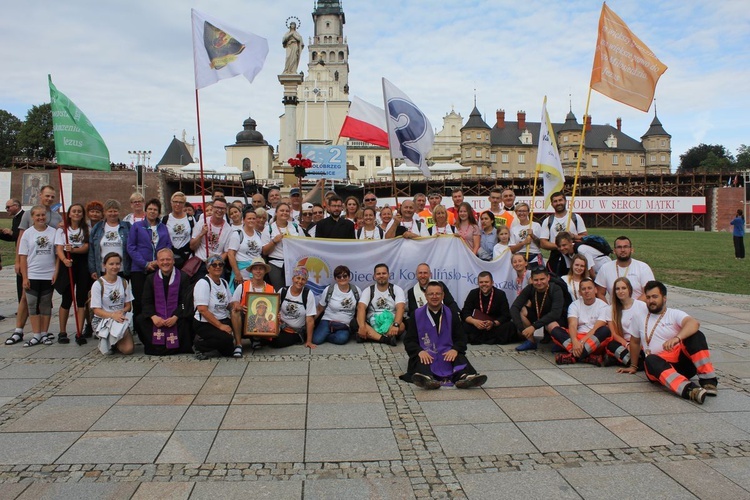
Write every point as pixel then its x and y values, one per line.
pixel 217 264
pixel 371 199
pixel 306 214
pixel 341 276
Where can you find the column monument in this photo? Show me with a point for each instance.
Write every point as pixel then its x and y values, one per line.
pixel 290 79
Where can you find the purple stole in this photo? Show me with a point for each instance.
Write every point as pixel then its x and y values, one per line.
pixel 166 336
pixel 437 340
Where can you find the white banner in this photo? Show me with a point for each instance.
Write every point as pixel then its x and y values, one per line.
pixel 598 204
pixel 448 257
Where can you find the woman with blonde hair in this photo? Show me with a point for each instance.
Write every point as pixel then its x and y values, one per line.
pixel 578 271
pixel 623 318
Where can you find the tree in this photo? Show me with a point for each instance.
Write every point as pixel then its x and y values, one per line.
pixel 35 140
pixel 9 128
pixel 692 159
pixel 743 158
pixel 713 163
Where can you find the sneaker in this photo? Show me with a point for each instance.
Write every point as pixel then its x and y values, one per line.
pixel 565 358
pixel 81 340
pixel 425 382
pixel 610 361
pixel 710 390
pixel 697 394
pixel 594 359
pixel 62 338
pixel 470 381
pixel 526 345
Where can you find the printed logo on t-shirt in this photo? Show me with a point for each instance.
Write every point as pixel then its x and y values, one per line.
pixel 220 295
pixel 111 235
pixel 42 242
pixel 213 240
pixel 559 227
pixel 114 296
pixel 76 238
pixel 523 233
pixel 178 229
pixel 252 246
pixel 291 310
pixel 381 303
pixel 347 303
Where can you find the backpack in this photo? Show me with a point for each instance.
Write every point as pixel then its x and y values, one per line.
pixel 190 218
pixel 329 294
pixel 380 231
pixel 596 242
pixel 208 280
pixel 567 298
pixel 551 220
pixel 284 289
pixel 372 294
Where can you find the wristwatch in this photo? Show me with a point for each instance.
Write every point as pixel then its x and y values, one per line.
pixel 396 324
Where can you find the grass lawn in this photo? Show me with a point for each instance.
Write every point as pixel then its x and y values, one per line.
pixel 703 261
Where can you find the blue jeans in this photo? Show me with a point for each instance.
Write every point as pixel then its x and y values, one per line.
pixel 323 334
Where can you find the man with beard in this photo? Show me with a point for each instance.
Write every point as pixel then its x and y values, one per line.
pixel 164 322
pixel 675 348
pixel 556 223
pixel 335 226
pixel 436 345
pixel 540 305
pixel 380 312
pixel 487 315
pixel 587 334
pixel 637 272
pixel 415 296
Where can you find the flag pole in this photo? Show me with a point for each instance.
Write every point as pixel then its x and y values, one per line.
pixel 393 181
pixel 67 254
pixel 200 161
pixel 531 214
pixel 578 162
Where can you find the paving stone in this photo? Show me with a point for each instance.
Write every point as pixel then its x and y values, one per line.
pixel 258 446
pixel 187 447
pixel 512 378
pixel 118 369
pixel 350 348
pixel 213 399
pixel 522 392
pixel 694 428
pixel 100 386
pixel 343 383
pixel 110 447
pixel 264 417
pixel 156 399
pixel 551 408
pixel 272 384
pixel 728 401
pixel 44 491
pixel 31 370
pixel 269 399
pixel 345 397
pixel 356 489
pixel 538 484
pixel 739 419
pixel 15 387
pixel 481 411
pixel 633 431
pixel 339 367
pixel 59 351
pixel 346 415
pixel 230 368
pixel 653 403
pixel 351 445
pixel 219 385
pixel 624 388
pixel 140 418
pixel 495 363
pixel 569 435
pixel 482 439
pixel 555 377
pixel 199 418
pixel 702 480
pixel 733 468
pixel 34 447
pixel 591 402
pixel 243 490
pixel 63 413
pixel 448 394
pixel 13 490
pixel 192 368
pixel 277 368
pixel 168 385
pixel 163 491
pixel 631 480
pixel 589 374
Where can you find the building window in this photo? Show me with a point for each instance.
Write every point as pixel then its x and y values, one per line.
pixel 479 170
pixel 479 135
pixel 565 155
pixel 522 174
pixel 479 153
pixel 565 138
pixel 521 157
pixel 663 142
pixel 575 155
pixel 377 161
pixel 487 136
pixel 361 160
pixel 505 157
pixel 615 160
pixel 468 153
pixel 628 160
pixel 506 174
pixel 653 158
pixel 663 158
pixel 643 161
pixel 468 137
pixel 594 161
pixel 493 157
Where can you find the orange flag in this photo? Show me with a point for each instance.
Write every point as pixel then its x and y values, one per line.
pixel 624 68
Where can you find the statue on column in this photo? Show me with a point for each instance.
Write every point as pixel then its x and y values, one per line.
pixel 293 44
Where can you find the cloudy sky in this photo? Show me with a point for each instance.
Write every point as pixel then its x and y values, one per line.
pixel 128 64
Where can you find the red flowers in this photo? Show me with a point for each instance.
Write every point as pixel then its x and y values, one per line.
pixel 299 161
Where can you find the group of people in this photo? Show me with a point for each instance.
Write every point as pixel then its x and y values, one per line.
pixel 179 281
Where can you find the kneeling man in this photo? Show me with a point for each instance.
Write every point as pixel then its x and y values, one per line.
pixel 436 345
pixel 587 334
pixel 676 350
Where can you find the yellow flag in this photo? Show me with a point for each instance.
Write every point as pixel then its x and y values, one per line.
pixel 548 158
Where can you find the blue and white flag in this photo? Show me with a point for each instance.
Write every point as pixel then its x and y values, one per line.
pixel 410 134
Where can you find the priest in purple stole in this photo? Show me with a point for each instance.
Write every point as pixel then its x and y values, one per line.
pixel 436 344
pixel 164 322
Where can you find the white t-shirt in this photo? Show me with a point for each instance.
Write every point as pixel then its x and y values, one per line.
pixel 365 234
pixel 247 248
pixel 594 257
pixel 179 230
pixel 110 242
pixel 436 231
pixel 669 326
pixel 216 297
pixel 631 318
pixel 218 237
pixel 518 233
pixel 115 295
pixel 39 249
pixel 559 224
pixel 294 312
pixel 276 257
pixel 498 250
pixel 412 228
pixel 587 315
pixel 638 273
pixel 75 237
pixel 382 301
pixel 343 306
pixel 132 218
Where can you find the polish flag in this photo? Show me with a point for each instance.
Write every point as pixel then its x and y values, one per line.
pixel 365 122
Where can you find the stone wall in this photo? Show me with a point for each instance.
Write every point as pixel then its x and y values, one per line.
pixel 722 204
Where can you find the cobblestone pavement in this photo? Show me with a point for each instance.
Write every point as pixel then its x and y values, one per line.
pixel 335 422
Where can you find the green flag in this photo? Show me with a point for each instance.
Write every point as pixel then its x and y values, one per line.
pixel 77 143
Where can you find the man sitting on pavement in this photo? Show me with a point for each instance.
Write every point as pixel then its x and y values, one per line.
pixel 675 348
pixel 637 272
pixel 487 315
pixel 587 334
pixel 436 345
pixel 540 305
pixel 415 296
pixel 380 312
